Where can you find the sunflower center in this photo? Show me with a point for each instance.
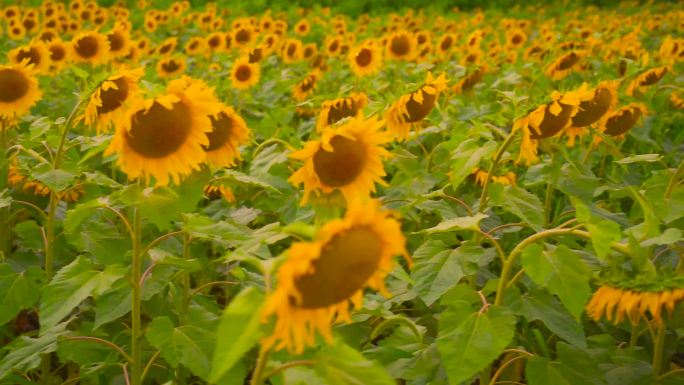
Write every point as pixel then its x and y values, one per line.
pixel 346 263
pixel 592 110
pixel 243 73
pixel 568 61
pixel 116 41
pixel 400 45
pixel 87 47
pixel 653 77
pixel 165 48
pixel 159 132
pixel 170 66
pixel 113 98
pixel 214 41
pixel 446 43
pixel 222 127
pixel 552 124
pixel 343 109
pixel 57 53
pixel 242 36
pixel 621 123
pixel 418 111
pixel 291 49
pixel 13 85
pixel 31 54
pixel 307 84
pixel 255 55
pixel 471 80
pixel 341 166
pixel 364 57
pixel 334 46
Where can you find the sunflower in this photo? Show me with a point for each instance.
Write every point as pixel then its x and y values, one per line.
pixel 35 53
pixel 302 28
pixel 195 46
pixel 16 32
pixel 292 50
pixel 332 111
pixel 645 79
pixel 445 45
pixel 228 131
pixel 545 121
pixel 401 45
pixel 515 39
pixel 366 59
pixel 332 45
pixel 481 177
pixel 217 42
pixel 20 180
pixel 19 90
pixel 677 101
pixel 469 81
pixel 107 102
pixel 244 37
pixel 564 65
pixel 170 66
pixel 348 158
pixel 412 108
pixel 90 47
pixel 594 104
pixel 244 74
pixel 164 137
pixel 321 278
pixel 618 122
pixel 617 304
pixel 304 88
pixel 217 191
pixel 119 42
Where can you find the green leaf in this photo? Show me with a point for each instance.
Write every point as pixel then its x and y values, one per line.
pixel 24 352
pixel 339 364
pixel 572 367
pixel 436 270
pixel 202 227
pixel 187 345
pixel 466 157
pixel 668 237
pixel 562 272
pixel 56 180
pixel 247 179
pixel 519 202
pixel 238 331
pixel 539 305
pixel 463 223
pixel 70 286
pixel 18 290
pixel 650 158
pixel 468 343
pixel 603 232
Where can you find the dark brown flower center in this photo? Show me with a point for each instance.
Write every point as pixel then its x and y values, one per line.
pixel 159 132
pixel 214 42
pixel 620 123
pixel 116 41
pixel 552 124
pixel 243 73
pixel 471 80
pixel 364 57
pixel 653 76
pixel 568 61
pixel 446 43
pixel 222 126
pixel 343 109
pixel 57 53
pixel 13 85
pixel 113 98
pixel 592 110
pixel 32 54
pixel 170 66
pixel 334 46
pixel 242 36
pixel 517 39
pixel 400 45
pixel 341 166
pixel 346 263
pixel 87 47
pixel 418 111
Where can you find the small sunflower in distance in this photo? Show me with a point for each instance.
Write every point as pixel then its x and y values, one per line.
pixel 564 65
pixel 412 108
pixel 366 59
pixel 594 104
pixel 244 74
pixel 19 90
pixel 348 158
pixel 170 66
pixel 304 88
pixel 90 47
pixel 164 137
pixel 332 111
pixel 401 45
pixel 228 131
pixel 322 278
pixel 645 79
pixel 108 99
pixel 36 53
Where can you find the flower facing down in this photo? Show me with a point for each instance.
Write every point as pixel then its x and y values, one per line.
pixel 594 105
pixel 647 78
pixel 618 304
pixel 108 100
pixel 321 278
pixel 348 158
pixel 618 122
pixel 412 108
pixel 332 111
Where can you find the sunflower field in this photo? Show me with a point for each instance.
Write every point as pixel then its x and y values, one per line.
pixel 353 193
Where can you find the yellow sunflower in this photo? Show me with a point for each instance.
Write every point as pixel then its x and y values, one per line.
pixel 545 121
pixel 366 59
pixel 90 47
pixel 244 37
pixel 348 158
pixel 59 54
pixel 244 74
pixel 107 102
pixel 412 108
pixel 217 42
pixel 119 42
pixel 35 53
pixel 618 304
pixel 618 122
pixel 228 131
pixel 645 79
pixel 515 38
pixel 445 45
pixel 332 45
pixel 401 45
pixel 216 191
pixel 167 46
pixel 481 177
pixel 19 90
pixel 469 81
pixel 292 50
pixel 677 101
pixel 195 46
pixel 170 66
pixel 594 104
pixel 310 49
pixel 302 28
pixel 304 88
pixel 322 278
pixel 564 65
pixel 164 137
pixel 332 111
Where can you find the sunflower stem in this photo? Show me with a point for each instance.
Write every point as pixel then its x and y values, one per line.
pixel 634 336
pixel 4 212
pixel 262 360
pixel 658 346
pixel 492 168
pixel 547 205
pixel 136 272
pixel 185 278
pixel 674 180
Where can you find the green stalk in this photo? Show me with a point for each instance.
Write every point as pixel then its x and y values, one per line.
pixel 4 212
pixel 658 346
pixel 492 168
pixel 262 360
pixel 674 180
pixel 136 273
pixel 185 278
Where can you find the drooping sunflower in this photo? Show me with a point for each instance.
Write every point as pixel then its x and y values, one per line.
pixel 321 278
pixel 618 122
pixel 401 45
pixel 332 111
pixel 413 107
pixel 645 79
pixel 90 47
pixel 366 59
pixel 19 90
pixel 20 180
pixel 228 131
pixel 594 104
pixel 617 304
pixel 481 177
pixel 107 102
pixel 163 138
pixel 170 66
pixel 35 53
pixel 244 74
pixel 304 88
pixel 348 158
pixel 469 81
pixel 545 121
pixel 564 65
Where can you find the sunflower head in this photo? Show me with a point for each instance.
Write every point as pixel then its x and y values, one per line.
pixel 90 47
pixel 645 79
pixel 107 101
pixel 244 74
pixel 119 41
pixel 19 90
pixel 228 131
pixel 332 111
pixel 304 88
pixel 348 157
pixel 595 103
pixel 35 54
pixel 412 108
pixel 618 122
pixel 321 278
pixel 469 81
pixel 366 59
pixel 218 191
pixel 170 66
pixel 401 45
pixel 564 65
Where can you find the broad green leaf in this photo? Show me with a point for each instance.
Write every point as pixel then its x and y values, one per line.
pixel 18 290
pixel 603 232
pixel 5 198
pixel 70 286
pixel 238 331
pixel 573 366
pixel 651 221
pixel 339 364
pixel 187 345
pixel 24 352
pixel 247 179
pixel 539 305
pixel 466 157
pixel 56 180
pixel 562 272
pixel 668 237
pixel 435 270
pixel 202 227
pixel 519 202
pixel 463 223
pixel 468 343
